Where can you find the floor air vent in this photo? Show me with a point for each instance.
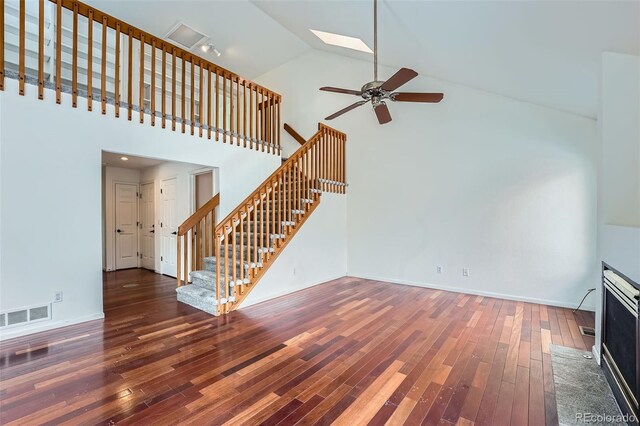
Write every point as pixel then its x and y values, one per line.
pixel 587 331
pixel 25 316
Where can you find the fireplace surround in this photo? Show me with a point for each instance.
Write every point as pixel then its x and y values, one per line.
pixel 621 339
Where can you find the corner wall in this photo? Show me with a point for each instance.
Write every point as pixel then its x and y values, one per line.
pixel 619 176
pixel 502 187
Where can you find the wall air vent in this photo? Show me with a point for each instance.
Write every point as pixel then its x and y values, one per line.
pixel 185 36
pixel 24 316
pixel 587 331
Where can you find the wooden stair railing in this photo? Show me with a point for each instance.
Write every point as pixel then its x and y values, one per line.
pixel 194 239
pixel 251 237
pixel 160 81
pixel 295 135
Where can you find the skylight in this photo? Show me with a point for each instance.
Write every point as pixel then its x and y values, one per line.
pixel 342 41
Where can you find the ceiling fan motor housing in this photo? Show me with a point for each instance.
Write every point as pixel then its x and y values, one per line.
pixel 373 91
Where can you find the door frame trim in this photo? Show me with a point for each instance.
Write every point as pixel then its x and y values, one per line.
pixel 141 184
pixel 192 185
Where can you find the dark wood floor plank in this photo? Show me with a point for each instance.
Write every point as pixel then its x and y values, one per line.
pixel 347 351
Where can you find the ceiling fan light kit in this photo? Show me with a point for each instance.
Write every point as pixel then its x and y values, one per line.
pixel 377 92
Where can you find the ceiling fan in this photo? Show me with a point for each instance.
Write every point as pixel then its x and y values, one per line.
pixel 377 92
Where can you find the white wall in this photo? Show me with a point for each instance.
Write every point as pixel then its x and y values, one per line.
pixel 50 175
pixel 113 175
pixel 619 126
pixel 619 176
pixel 316 254
pixel 502 187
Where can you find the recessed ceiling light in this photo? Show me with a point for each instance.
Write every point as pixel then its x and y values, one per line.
pixel 342 41
pixel 124 158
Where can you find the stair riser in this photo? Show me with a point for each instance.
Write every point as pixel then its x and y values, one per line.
pixel 210 284
pixel 213 267
pixel 249 229
pixel 293 203
pixel 203 283
pixel 262 226
pixel 252 259
pixel 229 271
pixel 283 216
pixel 294 194
pixel 209 308
pixel 252 253
pixel 246 241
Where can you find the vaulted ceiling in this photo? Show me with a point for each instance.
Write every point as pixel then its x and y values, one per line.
pixel 544 52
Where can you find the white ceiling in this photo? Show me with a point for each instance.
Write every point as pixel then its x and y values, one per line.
pixel 113 159
pixel 250 41
pixel 544 52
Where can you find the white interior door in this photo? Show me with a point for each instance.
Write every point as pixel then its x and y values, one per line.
pixel 126 225
pixel 168 227
pixel 147 226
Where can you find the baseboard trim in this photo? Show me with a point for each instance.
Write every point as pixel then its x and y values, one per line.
pixel 286 293
pixel 475 292
pixel 596 353
pixel 12 333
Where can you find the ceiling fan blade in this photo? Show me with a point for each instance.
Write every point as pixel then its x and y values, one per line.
pixel 417 97
pixel 382 112
pixel 347 109
pixel 398 79
pixel 339 90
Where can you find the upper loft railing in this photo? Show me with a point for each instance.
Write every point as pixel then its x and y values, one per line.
pixel 71 47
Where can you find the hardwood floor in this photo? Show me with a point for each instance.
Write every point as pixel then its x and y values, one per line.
pixel 350 351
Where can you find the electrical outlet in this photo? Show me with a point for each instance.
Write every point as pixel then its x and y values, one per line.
pixel 439 269
pixel 465 272
pixel 57 297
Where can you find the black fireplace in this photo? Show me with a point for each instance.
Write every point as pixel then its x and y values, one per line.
pixel 621 339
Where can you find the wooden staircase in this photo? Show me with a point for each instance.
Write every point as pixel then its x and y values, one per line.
pixel 219 264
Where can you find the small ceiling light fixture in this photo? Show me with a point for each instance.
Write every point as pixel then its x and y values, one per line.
pixel 210 48
pixel 342 41
pixel 124 158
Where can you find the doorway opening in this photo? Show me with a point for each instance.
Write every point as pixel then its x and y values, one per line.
pixel 202 187
pixel 144 200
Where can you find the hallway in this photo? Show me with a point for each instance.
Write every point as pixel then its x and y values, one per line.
pixel 124 288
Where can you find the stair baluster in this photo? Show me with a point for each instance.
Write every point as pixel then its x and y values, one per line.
pixel 251 237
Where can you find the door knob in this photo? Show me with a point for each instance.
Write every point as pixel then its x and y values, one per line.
pixel 174 233
pixel 118 230
pixel 152 231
